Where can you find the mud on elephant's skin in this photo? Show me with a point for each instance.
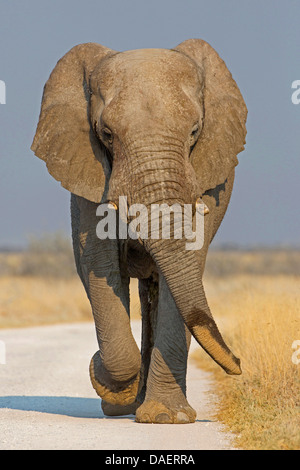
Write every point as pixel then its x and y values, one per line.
pixel 157 126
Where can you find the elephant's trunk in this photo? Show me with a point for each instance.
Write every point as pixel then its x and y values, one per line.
pixel 182 273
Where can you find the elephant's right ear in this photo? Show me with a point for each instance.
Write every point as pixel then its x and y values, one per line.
pixel 64 138
pixel 223 135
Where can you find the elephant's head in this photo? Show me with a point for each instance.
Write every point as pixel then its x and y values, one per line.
pixel 156 126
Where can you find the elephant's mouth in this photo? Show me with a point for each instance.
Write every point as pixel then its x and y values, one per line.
pixel 140 263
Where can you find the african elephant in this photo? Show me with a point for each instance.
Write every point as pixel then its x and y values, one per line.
pixel 157 126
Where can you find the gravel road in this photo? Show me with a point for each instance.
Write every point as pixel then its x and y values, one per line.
pixel 47 402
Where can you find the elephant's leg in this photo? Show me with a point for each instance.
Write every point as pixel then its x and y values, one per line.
pixel 148 292
pixel 165 400
pixel 115 368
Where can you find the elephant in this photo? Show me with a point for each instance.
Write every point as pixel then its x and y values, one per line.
pixel 157 126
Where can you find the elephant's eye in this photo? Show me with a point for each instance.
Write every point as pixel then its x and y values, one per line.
pixel 194 134
pixel 195 130
pixel 107 135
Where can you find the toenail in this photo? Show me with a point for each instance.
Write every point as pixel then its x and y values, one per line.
pixel 182 418
pixel 163 418
pixel 144 419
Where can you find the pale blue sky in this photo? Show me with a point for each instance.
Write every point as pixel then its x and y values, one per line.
pixel 260 43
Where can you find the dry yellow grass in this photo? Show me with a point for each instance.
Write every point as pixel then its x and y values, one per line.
pixel 260 319
pixel 29 301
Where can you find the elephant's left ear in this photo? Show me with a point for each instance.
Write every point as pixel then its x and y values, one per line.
pixel 225 113
pixel 64 136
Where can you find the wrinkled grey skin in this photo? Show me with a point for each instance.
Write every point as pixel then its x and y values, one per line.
pixel 156 126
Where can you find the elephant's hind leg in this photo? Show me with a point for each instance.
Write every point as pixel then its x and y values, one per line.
pixel 148 292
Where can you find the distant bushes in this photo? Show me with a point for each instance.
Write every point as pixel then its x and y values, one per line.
pixel 55 243
pixel 51 255
pixel 271 262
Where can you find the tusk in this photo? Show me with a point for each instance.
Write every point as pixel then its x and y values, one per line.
pixel 112 205
pixel 204 208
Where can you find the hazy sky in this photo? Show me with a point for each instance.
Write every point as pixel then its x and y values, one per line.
pixel 260 43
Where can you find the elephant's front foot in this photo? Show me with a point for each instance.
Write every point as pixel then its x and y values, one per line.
pixel 118 394
pixel 155 412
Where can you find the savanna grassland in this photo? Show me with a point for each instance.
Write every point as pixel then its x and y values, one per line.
pixel 40 286
pixel 254 296
pixel 257 308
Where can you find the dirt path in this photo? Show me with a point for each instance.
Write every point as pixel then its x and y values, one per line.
pixel 47 402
